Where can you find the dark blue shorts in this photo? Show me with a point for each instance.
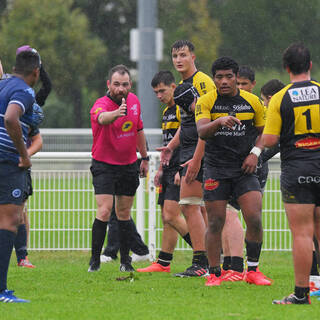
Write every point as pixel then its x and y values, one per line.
pixel 13 183
pixel 168 190
pixel 119 180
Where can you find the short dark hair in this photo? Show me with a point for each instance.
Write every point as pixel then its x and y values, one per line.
pixel 26 62
pixel 297 58
pixel 272 87
pixel 120 68
pixel 246 72
pixel 181 44
pixel 224 63
pixel 164 76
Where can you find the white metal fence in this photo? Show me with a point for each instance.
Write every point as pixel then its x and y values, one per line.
pixel 62 208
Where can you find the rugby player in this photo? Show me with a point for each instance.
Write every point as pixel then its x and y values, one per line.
pixel 231 121
pixel 293 119
pixel 16 102
pixel 167 178
pixel 191 154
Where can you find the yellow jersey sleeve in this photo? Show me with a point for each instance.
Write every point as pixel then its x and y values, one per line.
pixel 203 83
pixel 204 105
pixel 258 107
pixel 274 120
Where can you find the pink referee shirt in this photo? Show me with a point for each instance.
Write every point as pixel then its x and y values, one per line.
pixel 116 143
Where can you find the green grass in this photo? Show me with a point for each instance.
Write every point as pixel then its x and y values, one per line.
pixel 61 288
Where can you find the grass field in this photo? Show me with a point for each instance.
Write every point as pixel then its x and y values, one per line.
pixel 61 288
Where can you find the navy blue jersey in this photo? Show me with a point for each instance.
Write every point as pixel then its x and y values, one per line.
pixel 14 91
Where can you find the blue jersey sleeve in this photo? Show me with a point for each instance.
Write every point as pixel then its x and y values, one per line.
pixel 24 98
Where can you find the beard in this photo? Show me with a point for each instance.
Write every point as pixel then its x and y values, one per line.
pixel 117 98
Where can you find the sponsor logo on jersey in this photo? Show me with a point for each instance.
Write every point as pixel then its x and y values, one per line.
pixel 127 126
pixel 134 108
pixel 97 110
pixel 211 184
pixel 309 93
pixel 159 189
pixel 308 143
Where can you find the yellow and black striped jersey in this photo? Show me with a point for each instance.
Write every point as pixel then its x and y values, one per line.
pixel 188 134
pixel 294 115
pixel 171 120
pixel 229 147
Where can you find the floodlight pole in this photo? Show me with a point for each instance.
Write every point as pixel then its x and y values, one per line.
pixel 147 64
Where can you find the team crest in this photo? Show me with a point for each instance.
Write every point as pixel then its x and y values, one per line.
pixel 211 184
pixel 127 126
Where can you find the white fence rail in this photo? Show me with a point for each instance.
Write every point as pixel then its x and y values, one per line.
pixel 62 208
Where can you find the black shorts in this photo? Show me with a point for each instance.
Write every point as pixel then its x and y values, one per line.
pixel 262 173
pixel 13 183
pixel 29 184
pixel 199 176
pixel 120 180
pixel 228 189
pixel 300 183
pixel 168 190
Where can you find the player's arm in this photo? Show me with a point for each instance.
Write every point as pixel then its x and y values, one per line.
pixel 249 164
pixel 13 127
pixel 194 164
pixel 108 117
pixel 1 70
pixel 45 89
pixel 142 148
pixel 36 144
pixel 207 128
pixel 166 152
pixel 272 129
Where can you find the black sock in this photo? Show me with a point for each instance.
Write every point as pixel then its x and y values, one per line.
pixel 215 270
pixel 98 235
pixel 226 263
pixel 165 258
pixel 20 242
pixel 253 254
pixel 6 247
pixel 314 268
pixel 301 292
pixel 200 258
pixel 187 239
pixel 125 235
pixel 237 264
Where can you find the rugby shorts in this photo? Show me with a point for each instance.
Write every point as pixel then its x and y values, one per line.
pixel 228 189
pixel 13 183
pixel 300 183
pixel 120 180
pixel 168 190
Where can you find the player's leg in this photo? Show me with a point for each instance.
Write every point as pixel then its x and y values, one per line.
pixel 111 250
pixel 169 239
pixel 12 196
pixel 301 223
pixel 233 237
pixel 190 204
pixel 21 240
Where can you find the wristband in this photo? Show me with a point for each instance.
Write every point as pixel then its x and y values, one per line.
pixel 256 151
pixel 147 158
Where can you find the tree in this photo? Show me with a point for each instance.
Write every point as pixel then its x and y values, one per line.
pixel 257 32
pixel 61 35
pixel 188 19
